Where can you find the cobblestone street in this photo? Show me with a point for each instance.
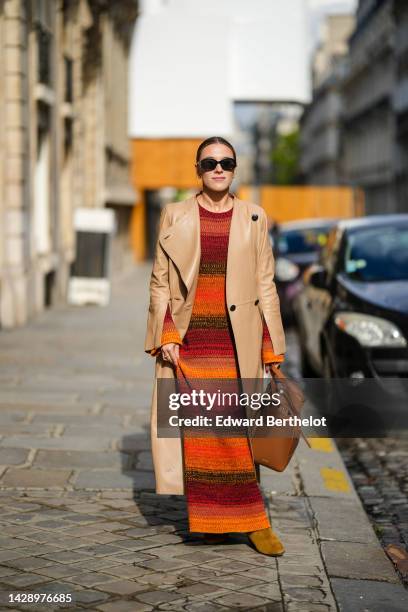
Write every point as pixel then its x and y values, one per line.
pixel 379 469
pixel 78 510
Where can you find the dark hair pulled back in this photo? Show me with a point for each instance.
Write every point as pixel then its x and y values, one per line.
pixel 214 140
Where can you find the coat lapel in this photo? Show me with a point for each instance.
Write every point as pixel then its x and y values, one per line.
pixel 181 241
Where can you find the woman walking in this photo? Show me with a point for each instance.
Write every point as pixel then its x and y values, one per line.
pixel 214 313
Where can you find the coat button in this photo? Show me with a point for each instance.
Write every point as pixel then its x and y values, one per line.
pixel 256 302
pixel 254 217
pixel 233 307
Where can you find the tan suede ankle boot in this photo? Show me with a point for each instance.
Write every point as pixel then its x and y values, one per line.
pixel 266 542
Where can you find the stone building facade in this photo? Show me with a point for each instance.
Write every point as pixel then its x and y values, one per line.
pixel 321 124
pixel 400 101
pixel 369 120
pixel 64 144
pixel 370 149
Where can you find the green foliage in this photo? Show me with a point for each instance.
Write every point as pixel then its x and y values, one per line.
pixel 285 158
pixel 181 194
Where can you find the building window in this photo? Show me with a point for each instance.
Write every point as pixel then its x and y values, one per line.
pixel 68 69
pixel 68 136
pixel 42 199
pixel 43 55
pixel 43 15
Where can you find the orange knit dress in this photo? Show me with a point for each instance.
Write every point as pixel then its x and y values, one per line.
pixel 221 488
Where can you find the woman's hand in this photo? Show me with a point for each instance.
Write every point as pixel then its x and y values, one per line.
pixel 170 352
pixel 268 367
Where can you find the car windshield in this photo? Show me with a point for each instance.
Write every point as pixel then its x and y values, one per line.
pixel 378 254
pixel 302 240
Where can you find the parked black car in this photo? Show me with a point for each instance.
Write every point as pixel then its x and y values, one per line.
pixel 296 246
pixel 352 314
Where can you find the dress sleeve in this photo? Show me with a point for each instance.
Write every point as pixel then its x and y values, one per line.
pixel 268 353
pixel 169 333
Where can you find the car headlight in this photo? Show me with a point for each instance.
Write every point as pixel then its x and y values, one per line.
pixel 285 270
pixel 369 330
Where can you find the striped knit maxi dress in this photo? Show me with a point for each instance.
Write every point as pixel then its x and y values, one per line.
pixel 221 488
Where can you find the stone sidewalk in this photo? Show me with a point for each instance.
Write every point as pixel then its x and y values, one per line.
pixel 78 512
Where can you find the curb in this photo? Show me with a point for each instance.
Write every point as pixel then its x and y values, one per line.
pixel 362 577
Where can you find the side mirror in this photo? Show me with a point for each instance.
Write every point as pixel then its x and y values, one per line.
pixel 318 278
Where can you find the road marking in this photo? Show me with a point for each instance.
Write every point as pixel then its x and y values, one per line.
pixel 335 480
pixel 321 444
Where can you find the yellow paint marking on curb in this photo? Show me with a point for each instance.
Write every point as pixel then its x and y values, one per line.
pixel 321 444
pixel 334 480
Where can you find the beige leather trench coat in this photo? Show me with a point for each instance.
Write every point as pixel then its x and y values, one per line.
pixel 250 291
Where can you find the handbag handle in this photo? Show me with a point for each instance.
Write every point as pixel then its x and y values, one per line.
pixel 277 371
pixel 279 374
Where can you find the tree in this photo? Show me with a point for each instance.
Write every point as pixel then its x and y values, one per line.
pixel 285 158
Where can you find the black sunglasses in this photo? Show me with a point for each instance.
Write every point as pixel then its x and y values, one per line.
pixel 209 163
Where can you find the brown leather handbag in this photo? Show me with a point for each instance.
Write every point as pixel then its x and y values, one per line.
pixel 272 451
